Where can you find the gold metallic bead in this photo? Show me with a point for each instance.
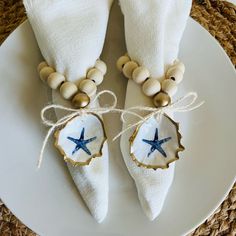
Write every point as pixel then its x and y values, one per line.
pixel 80 100
pixel 161 100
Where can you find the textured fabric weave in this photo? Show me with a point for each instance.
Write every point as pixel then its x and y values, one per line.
pixel 71 35
pixel 153 31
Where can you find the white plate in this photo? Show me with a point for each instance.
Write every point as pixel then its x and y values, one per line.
pixel 47 200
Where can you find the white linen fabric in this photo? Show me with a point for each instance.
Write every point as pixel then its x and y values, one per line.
pixel 153 30
pixel 71 34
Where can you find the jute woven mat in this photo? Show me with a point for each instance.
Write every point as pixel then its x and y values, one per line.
pixel 219 18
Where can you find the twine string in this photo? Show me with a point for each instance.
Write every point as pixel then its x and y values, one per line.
pixel 72 112
pixel 183 104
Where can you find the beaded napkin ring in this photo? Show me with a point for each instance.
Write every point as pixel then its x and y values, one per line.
pixel 156 140
pixel 151 87
pixel 80 134
pixel 69 90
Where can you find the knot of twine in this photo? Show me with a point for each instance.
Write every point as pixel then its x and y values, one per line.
pixel 183 104
pixel 72 113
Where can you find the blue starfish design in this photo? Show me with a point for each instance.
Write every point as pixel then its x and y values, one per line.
pixel 156 144
pixel 81 143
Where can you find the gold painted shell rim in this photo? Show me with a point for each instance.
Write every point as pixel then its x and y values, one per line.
pixel 155 167
pixel 68 159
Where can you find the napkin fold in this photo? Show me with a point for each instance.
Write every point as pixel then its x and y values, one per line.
pixel 153 30
pixel 71 34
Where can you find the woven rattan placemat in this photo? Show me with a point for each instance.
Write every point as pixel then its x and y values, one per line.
pixel 219 18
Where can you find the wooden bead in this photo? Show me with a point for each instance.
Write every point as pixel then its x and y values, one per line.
pixel 169 86
pixel 128 69
pixel 161 100
pixel 88 86
pixel 42 65
pixel 140 74
pixel 80 100
pixel 122 61
pixel 175 74
pixel 151 87
pixel 95 75
pixel 180 65
pixel 68 90
pixel 45 72
pixel 55 80
pixel 101 66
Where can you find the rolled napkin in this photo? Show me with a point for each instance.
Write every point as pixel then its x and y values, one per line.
pixel 153 30
pixel 71 35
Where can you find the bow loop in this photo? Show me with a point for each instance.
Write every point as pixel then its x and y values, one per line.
pixel 183 104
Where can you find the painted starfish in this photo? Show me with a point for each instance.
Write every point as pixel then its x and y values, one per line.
pixel 156 144
pixel 81 143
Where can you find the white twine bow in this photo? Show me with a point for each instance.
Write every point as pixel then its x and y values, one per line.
pixel 73 113
pixel 187 102
pixel 176 106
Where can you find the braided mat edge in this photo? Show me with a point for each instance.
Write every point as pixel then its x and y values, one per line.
pixel 219 18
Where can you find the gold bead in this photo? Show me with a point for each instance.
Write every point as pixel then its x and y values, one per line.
pixel 80 100
pixel 161 100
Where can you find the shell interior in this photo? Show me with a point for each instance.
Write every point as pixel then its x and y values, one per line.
pixel 156 143
pixel 81 139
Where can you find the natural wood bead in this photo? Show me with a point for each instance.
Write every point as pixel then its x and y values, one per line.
pixel 55 80
pixel 101 66
pixel 169 86
pixel 95 75
pixel 68 90
pixel 80 100
pixel 45 72
pixel 88 86
pixel 140 74
pixel 161 100
pixel 42 65
pixel 121 62
pixel 128 69
pixel 180 65
pixel 151 87
pixel 175 74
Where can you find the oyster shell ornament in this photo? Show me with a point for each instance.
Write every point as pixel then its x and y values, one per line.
pixel 81 139
pixel 79 133
pixel 156 143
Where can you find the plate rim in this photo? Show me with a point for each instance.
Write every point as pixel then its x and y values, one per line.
pixel 25 22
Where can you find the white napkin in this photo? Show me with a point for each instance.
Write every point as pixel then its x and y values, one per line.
pixel 71 34
pixel 153 30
